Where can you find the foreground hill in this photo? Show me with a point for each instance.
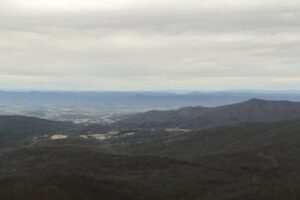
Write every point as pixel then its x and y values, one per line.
pixel 254 110
pixel 247 161
pixel 230 139
pixel 20 127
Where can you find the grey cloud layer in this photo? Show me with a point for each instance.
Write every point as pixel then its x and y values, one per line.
pixel 149 47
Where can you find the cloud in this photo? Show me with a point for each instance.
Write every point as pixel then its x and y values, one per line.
pixel 149 44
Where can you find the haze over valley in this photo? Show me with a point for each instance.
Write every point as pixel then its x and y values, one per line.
pixel 105 107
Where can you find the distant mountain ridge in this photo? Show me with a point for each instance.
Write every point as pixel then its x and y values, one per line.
pixel 134 99
pixel 253 110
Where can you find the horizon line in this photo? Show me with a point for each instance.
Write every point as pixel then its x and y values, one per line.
pixel 160 91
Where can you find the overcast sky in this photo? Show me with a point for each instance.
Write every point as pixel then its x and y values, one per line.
pixel 149 44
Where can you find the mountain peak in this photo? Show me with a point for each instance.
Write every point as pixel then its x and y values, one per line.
pixel 256 101
pixel 262 101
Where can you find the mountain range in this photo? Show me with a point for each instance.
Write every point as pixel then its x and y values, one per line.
pixel 243 151
pixel 254 110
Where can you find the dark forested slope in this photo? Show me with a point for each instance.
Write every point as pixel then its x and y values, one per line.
pixel 254 110
pixel 246 161
pixel 19 127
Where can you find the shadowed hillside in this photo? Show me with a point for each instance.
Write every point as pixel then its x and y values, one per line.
pixel 246 161
pixel 254 110
pixel 19 127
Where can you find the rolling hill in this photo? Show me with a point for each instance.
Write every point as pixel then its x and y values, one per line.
pixel 246 161
pixel 254 110
pixel 20 127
